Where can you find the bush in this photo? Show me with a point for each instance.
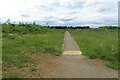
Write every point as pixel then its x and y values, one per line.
pixel 23 28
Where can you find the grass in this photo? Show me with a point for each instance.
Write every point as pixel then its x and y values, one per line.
pixel 101 44
pixel 17 49
pixel 23 44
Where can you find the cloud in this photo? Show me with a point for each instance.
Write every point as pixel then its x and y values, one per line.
pixel 67 19
pixel 24 15
pixel 61 12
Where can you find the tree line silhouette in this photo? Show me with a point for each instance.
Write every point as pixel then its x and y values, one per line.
pixel 68 27
pixel 24 28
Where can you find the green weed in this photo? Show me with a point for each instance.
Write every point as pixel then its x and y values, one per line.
pixel 101 44
pixel 17 48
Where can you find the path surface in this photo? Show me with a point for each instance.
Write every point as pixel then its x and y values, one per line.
pixel 78 66
pixel 70 46
pixel 69 43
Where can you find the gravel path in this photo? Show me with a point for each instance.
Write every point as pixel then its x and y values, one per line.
pixel 69 43
pixel 78 66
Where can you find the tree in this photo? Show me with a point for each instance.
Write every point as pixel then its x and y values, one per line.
pixel 47 24
pixel 8 21
pixel 34 23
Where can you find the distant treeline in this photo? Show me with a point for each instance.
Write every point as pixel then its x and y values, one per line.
pixel 81 27
pixel 109 27
pixel 24 28
pixel 68 27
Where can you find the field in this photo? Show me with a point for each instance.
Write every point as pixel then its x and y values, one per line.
pixel 20 52
pixel 99 44
pixel 29 50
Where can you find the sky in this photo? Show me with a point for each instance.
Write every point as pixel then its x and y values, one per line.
pixel 93 13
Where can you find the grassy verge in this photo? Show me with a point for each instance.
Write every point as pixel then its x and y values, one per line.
pixel 18 50
pixel 101 44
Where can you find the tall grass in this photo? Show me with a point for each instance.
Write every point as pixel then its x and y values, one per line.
pixel 18 48
pixel 101 44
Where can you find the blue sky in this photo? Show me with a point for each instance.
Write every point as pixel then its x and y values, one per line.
pixel 92 13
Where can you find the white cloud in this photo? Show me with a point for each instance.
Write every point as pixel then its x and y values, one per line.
pixel 78 12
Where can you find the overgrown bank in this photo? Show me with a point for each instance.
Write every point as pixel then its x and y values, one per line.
pixel 101 44
pixel 21 42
